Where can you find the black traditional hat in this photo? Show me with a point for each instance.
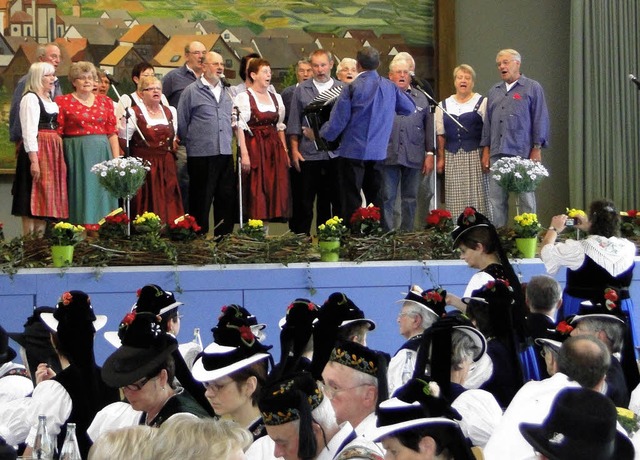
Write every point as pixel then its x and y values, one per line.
pixel 153 299
pixel 144 349
pixel 6 352
pixel 470 218
pixel 337 311
pixel 296 332
pixel 414 407
pixel 580 425
pixel 431 301
pixel 293 399
pixel 36 341
pixel 363 359
pixel 498 297
pixel 233 316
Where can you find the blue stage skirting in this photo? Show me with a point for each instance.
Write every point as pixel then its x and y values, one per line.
pixel 264 289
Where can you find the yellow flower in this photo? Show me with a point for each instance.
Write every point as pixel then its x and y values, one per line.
pixel 625 412
pixel 573 213
pixel 255 223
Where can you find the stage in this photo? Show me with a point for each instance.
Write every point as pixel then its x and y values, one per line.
pixel 264 289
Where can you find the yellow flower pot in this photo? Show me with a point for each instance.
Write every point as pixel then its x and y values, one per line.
pixel 62 256
pixel 329 250
pixel 527 246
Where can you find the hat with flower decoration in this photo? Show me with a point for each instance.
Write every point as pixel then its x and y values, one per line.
pixel 231 316
pixel 363 359
pixel 153 299
pixel 431 301
pixel 296 331
pixel 73 309
pixel 293 399
pixel 416 407
pixel 470 218
pixel 145 347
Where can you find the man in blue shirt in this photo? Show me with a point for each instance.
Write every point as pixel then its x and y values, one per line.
pixel 204 126
pixel 363 116
pixel 517 124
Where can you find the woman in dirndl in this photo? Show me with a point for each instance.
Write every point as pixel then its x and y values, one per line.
pixel 264 154
pixel 458 152
pixel 40 187
pixel 88 128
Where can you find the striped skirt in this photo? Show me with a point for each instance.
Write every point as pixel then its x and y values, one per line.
pixel 465 184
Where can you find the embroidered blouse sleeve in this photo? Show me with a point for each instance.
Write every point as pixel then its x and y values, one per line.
pixel 29 118
pixel 281 111
pixel 51 399
pixel 242 103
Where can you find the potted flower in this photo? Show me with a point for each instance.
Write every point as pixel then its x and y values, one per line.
pixel 148 223
pixel 329 235
pixel 527 227
pixel 184 228
pixel 516 174
pixel 114 225
pixel 366 221
pixel 440 219
pixel 630 225
pixel 254 228
pixel 64 236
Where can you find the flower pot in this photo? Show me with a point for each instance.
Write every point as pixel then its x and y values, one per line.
pixel 61 255
pixel 527 246
pixel 329 250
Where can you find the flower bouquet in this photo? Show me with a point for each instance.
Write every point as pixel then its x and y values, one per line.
pixel 578 216
pixel 527 225
pixel 254 229
pixel 148 223
pixel 630 225
pixel 628 419
pixel 66 234
pixel 516 174
pixel 122 177
pixel 184 228
pixel 366 221
pixel 114 225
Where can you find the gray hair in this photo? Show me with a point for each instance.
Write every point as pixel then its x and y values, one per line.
pixel 404 56
pixel 463 349
pixel 543 293
pixel 464 68
pixel 37 71
pixel 584 359
pixel 413 309
pixel 344 62
pixel 42 50
pixel 513 53
pixel 613 329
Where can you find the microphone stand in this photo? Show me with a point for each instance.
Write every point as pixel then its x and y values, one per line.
pixel 127 115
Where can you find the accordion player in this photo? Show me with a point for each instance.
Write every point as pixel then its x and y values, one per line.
pixel 317 114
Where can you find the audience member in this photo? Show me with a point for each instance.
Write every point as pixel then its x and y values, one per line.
pixel 14 378
pixel 522 99
pixel 204 127
pixel 364 118
pixel 314 175
pixel 130 442
pixel 104 84
pixel 303 73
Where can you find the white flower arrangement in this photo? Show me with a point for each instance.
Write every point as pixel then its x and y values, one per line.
pixel 516 174
pixel 122 177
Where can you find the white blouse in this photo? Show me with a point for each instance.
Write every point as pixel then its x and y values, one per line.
pixel 457 109
pixel 30 117
pixel 133 121
pixel 242 102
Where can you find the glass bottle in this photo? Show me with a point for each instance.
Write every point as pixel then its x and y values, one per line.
pixel 70 449
pixel 42 446
pixel 197 339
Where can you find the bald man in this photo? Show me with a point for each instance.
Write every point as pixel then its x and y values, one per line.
pixel 204 126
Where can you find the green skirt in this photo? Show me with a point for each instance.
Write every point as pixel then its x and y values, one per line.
pixel 88 200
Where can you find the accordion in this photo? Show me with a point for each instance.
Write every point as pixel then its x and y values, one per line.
pixel 317 114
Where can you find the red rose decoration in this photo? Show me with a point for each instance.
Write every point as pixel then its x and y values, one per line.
pixel 517 96
pixel 67 298
pixel 311 306
pixel 469 212
pixel 611 297
pixel 632 213
pixel 128 319
pixel 434 296
pixel 246 334
pixel 138 292
pixel 490 285
pixel 564 328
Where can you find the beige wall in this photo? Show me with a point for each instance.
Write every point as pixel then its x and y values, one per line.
pixel 539 30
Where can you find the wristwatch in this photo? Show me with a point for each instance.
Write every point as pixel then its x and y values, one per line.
pixel 553 229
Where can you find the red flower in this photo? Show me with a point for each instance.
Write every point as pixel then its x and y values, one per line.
pixel 632 213
pixel 138 292
pixel 433 219
pixel 611 297
pixel 564 328
pixel 67 298
pixel 246 334
pixel 469 212
pixel 434 296
pixel 92 227
pixel 517 96
pixel 311 306
pixel 128 318
pixel 490 285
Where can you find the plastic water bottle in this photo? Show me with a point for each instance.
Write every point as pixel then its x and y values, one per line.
pixel 42 446
pixel 70 449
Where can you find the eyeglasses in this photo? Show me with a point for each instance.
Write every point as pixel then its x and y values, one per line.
pixel 217 387
pixel 152 89
pixel 137 386
pixel 401 314
pixel 504 62
pixel 547 351
pixel 330 391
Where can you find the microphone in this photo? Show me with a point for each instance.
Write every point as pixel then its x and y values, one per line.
pixel 110 78
pixel 418 83
pixel 633 78
pixel 223 81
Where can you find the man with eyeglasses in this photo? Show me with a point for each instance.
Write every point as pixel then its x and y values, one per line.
pixel 204 126
pixel 516 125
pixel 173 84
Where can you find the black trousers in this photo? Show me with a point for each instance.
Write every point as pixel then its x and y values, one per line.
pixel 212 181
pixel 356 175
